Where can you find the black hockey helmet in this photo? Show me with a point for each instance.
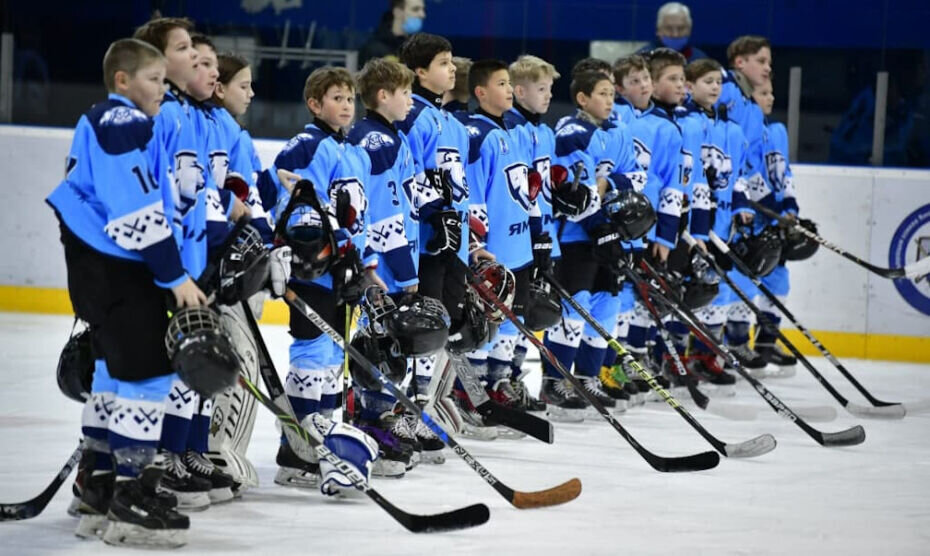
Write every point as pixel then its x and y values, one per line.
pixel 543 308
pixel 472 331
pixel 75 371
pixel 305 226
pixel 699 293
pixel 376 305
pixel 500 282
pixel 630 212
pixel 419 324
pixel 798 246
pixel 760 252
pixel 244 268
pixel 201 351
pixel 382 352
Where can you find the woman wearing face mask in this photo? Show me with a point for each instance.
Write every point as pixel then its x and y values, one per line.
pixel 402 19
pixel 673 30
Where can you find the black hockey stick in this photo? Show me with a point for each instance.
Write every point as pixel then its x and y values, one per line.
pixel 748 449
pixel 560 494
pixel 31 508
pixel 849 437
pixel 469 516
pixel 695 462
pixel 913 271
pixel 880 409
pixel 518 420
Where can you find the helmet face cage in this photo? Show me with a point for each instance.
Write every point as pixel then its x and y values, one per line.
pixel 244 269
pixel 305 227
pixel 761 252
pixel 420 325
pixel 75 371
pixel 376 305
pixel 473 331
pixel 188 323
pixel 500 281
pixel 201 351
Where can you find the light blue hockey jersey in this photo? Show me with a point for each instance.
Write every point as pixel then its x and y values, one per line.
pixel 321 155
pixel 437 141
pixel 658 144
pixel 499 193
pixel 393 233
pixel 696 188
pixel 116 195
pixel 743 110
pixel 779 195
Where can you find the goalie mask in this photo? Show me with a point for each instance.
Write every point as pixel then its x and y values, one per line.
pixel 200 350
pixel 543 308
pixel 75 371
pixel 499 281
pixel 472 332
pixel 305 226
pixel 630 212
pixel 384 353
pixel 798 246
pixel 419 324
pixel 761 252
pixel 244 268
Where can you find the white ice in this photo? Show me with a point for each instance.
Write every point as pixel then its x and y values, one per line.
pixel 799 499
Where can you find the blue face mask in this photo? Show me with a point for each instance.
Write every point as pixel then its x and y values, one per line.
pixel 675 43
pixel 412 25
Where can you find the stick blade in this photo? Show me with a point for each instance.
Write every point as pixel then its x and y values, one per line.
pixel 16 512
pixel 462 518
pixel 849 437
pixel 918 269
pixel 565 492
pixel 916 407
pixel 896 411
pixel 532 425
pixel 816 414
pixel 696 462
pixel 757 446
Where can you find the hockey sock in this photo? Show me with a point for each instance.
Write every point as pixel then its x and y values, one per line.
pixel 500 354
pixel 423 369
pixel 200 427
pixel 375 403
pixel 605 308
pixel 136 423
pixel 739 321
pixel 95 418
pixel 765 335
pixel 563 341
pixel 678 333
pixel 519 357
pixel 311 362
pixel 179 411
pixel 591 355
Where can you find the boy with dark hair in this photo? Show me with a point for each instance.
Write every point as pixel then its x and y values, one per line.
pixel 319 154
pixel 385 90
pixel 440 194
pixel 117 276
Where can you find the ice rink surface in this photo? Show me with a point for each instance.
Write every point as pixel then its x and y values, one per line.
pixel 799 499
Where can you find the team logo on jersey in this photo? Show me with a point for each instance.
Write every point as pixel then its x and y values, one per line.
pixel 570 129
pixel 296 140
pixel 375 140
pixel 473 131
pixel 775 166
pixel 188 181
pixel 357 199
pixel 643 154
pixel 219 167
pixel 544 167
pixel 120 115
pixel 909 244
pixel 449 159
pixel 713 157
pixel 687 166
pixel 516 175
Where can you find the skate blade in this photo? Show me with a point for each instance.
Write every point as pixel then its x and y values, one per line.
pixel 479 433
pixel 92 526
pixel 288 478
pixel 220 495
pixel 190 501
pixel 435 457
pixel 558 415
pixel 127 534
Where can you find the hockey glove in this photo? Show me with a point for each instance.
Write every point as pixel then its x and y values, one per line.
pixel 280 269
pixel 608 251
pixel 534 183
pixel 542 254
pixel 355 448
pixel 348 277
pixel 447 232
pixel 568 202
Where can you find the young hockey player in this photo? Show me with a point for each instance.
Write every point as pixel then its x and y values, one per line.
pixel 780 195
pixel 117 276
pixel 393 237
pixel 723 154
pixel 532 80
pixel 456 99
pixel 319 154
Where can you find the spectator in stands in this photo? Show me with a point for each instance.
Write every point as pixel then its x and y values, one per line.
pixel 673 30
pixel 402 19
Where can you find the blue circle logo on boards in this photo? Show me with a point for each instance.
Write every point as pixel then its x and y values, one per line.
pixel 911 243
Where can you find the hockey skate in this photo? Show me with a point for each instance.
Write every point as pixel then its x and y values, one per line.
pixel 503 393
pixel 528 402
pixel 293 471
pixel 707 369
pixel 94 504
pixel 563 404
pixel 473 424
pixel 614 389
pixel 592 385
pixel 192 492
pixel 748 359
pixel 221 484
pixel 393 456
pixel 138 517
pixel 430 443
pixel 774 355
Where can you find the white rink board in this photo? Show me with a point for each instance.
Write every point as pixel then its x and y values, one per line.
pixel 828 292
pixel 799 499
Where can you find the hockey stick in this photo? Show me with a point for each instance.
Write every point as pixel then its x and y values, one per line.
pixel 33 507
pixel 500 414
pixel 696 462
pixel 560 494
pixel 748 449
pixel 882 409
pixel 913 271
pixel 849 437
pixel 345 367
pixel 469 516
